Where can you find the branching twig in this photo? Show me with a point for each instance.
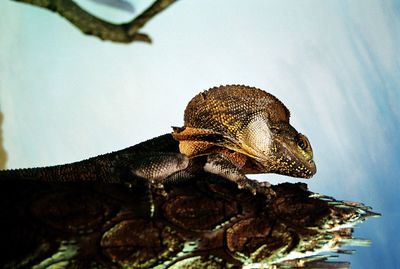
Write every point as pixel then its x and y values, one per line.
pixel 91 25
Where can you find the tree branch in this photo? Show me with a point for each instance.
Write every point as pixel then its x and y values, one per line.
pixel 91 25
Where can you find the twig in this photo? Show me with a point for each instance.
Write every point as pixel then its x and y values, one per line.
pixel 91 25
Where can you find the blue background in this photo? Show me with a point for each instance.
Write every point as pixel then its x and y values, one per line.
pixel 335 64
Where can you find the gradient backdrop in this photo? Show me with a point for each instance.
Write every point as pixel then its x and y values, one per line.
pixel 335 64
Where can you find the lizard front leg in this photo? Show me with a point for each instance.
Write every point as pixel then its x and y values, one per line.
pixel 220 165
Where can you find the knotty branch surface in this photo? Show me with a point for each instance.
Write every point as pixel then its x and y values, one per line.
pixel 91 25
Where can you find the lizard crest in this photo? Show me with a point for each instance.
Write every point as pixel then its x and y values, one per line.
pixel 248 126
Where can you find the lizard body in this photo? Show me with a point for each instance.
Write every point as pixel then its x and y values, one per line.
pixel 228 130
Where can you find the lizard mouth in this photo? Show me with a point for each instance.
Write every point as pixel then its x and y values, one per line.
pixel 309 169
pixel 296 166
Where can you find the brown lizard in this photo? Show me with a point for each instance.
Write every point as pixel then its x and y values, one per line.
pixel 244 130
pixel 228 130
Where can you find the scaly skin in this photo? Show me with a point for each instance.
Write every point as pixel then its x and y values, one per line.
pixel 154 159
pixel 248 127
pixel 229 131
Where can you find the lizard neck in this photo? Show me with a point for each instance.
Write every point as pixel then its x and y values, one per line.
pixel 238 159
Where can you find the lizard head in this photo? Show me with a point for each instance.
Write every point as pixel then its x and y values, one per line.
pixel 249 122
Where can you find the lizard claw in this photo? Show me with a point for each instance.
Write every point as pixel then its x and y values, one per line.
pixel 256 187
pixel 159 188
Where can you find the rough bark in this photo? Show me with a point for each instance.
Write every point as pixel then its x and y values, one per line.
pixel 205 222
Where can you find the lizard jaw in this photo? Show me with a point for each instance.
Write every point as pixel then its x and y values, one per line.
pixel 290 164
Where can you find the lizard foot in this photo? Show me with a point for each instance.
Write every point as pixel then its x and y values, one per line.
pixel 256 187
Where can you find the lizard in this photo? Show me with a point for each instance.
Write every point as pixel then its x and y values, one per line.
pixel 230 131
pixel 244 130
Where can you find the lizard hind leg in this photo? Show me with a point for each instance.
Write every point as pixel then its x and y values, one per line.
pixel 220 165
pixel 149 169
pixel 157 167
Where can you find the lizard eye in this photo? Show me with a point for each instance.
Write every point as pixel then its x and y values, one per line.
pixel 302 142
